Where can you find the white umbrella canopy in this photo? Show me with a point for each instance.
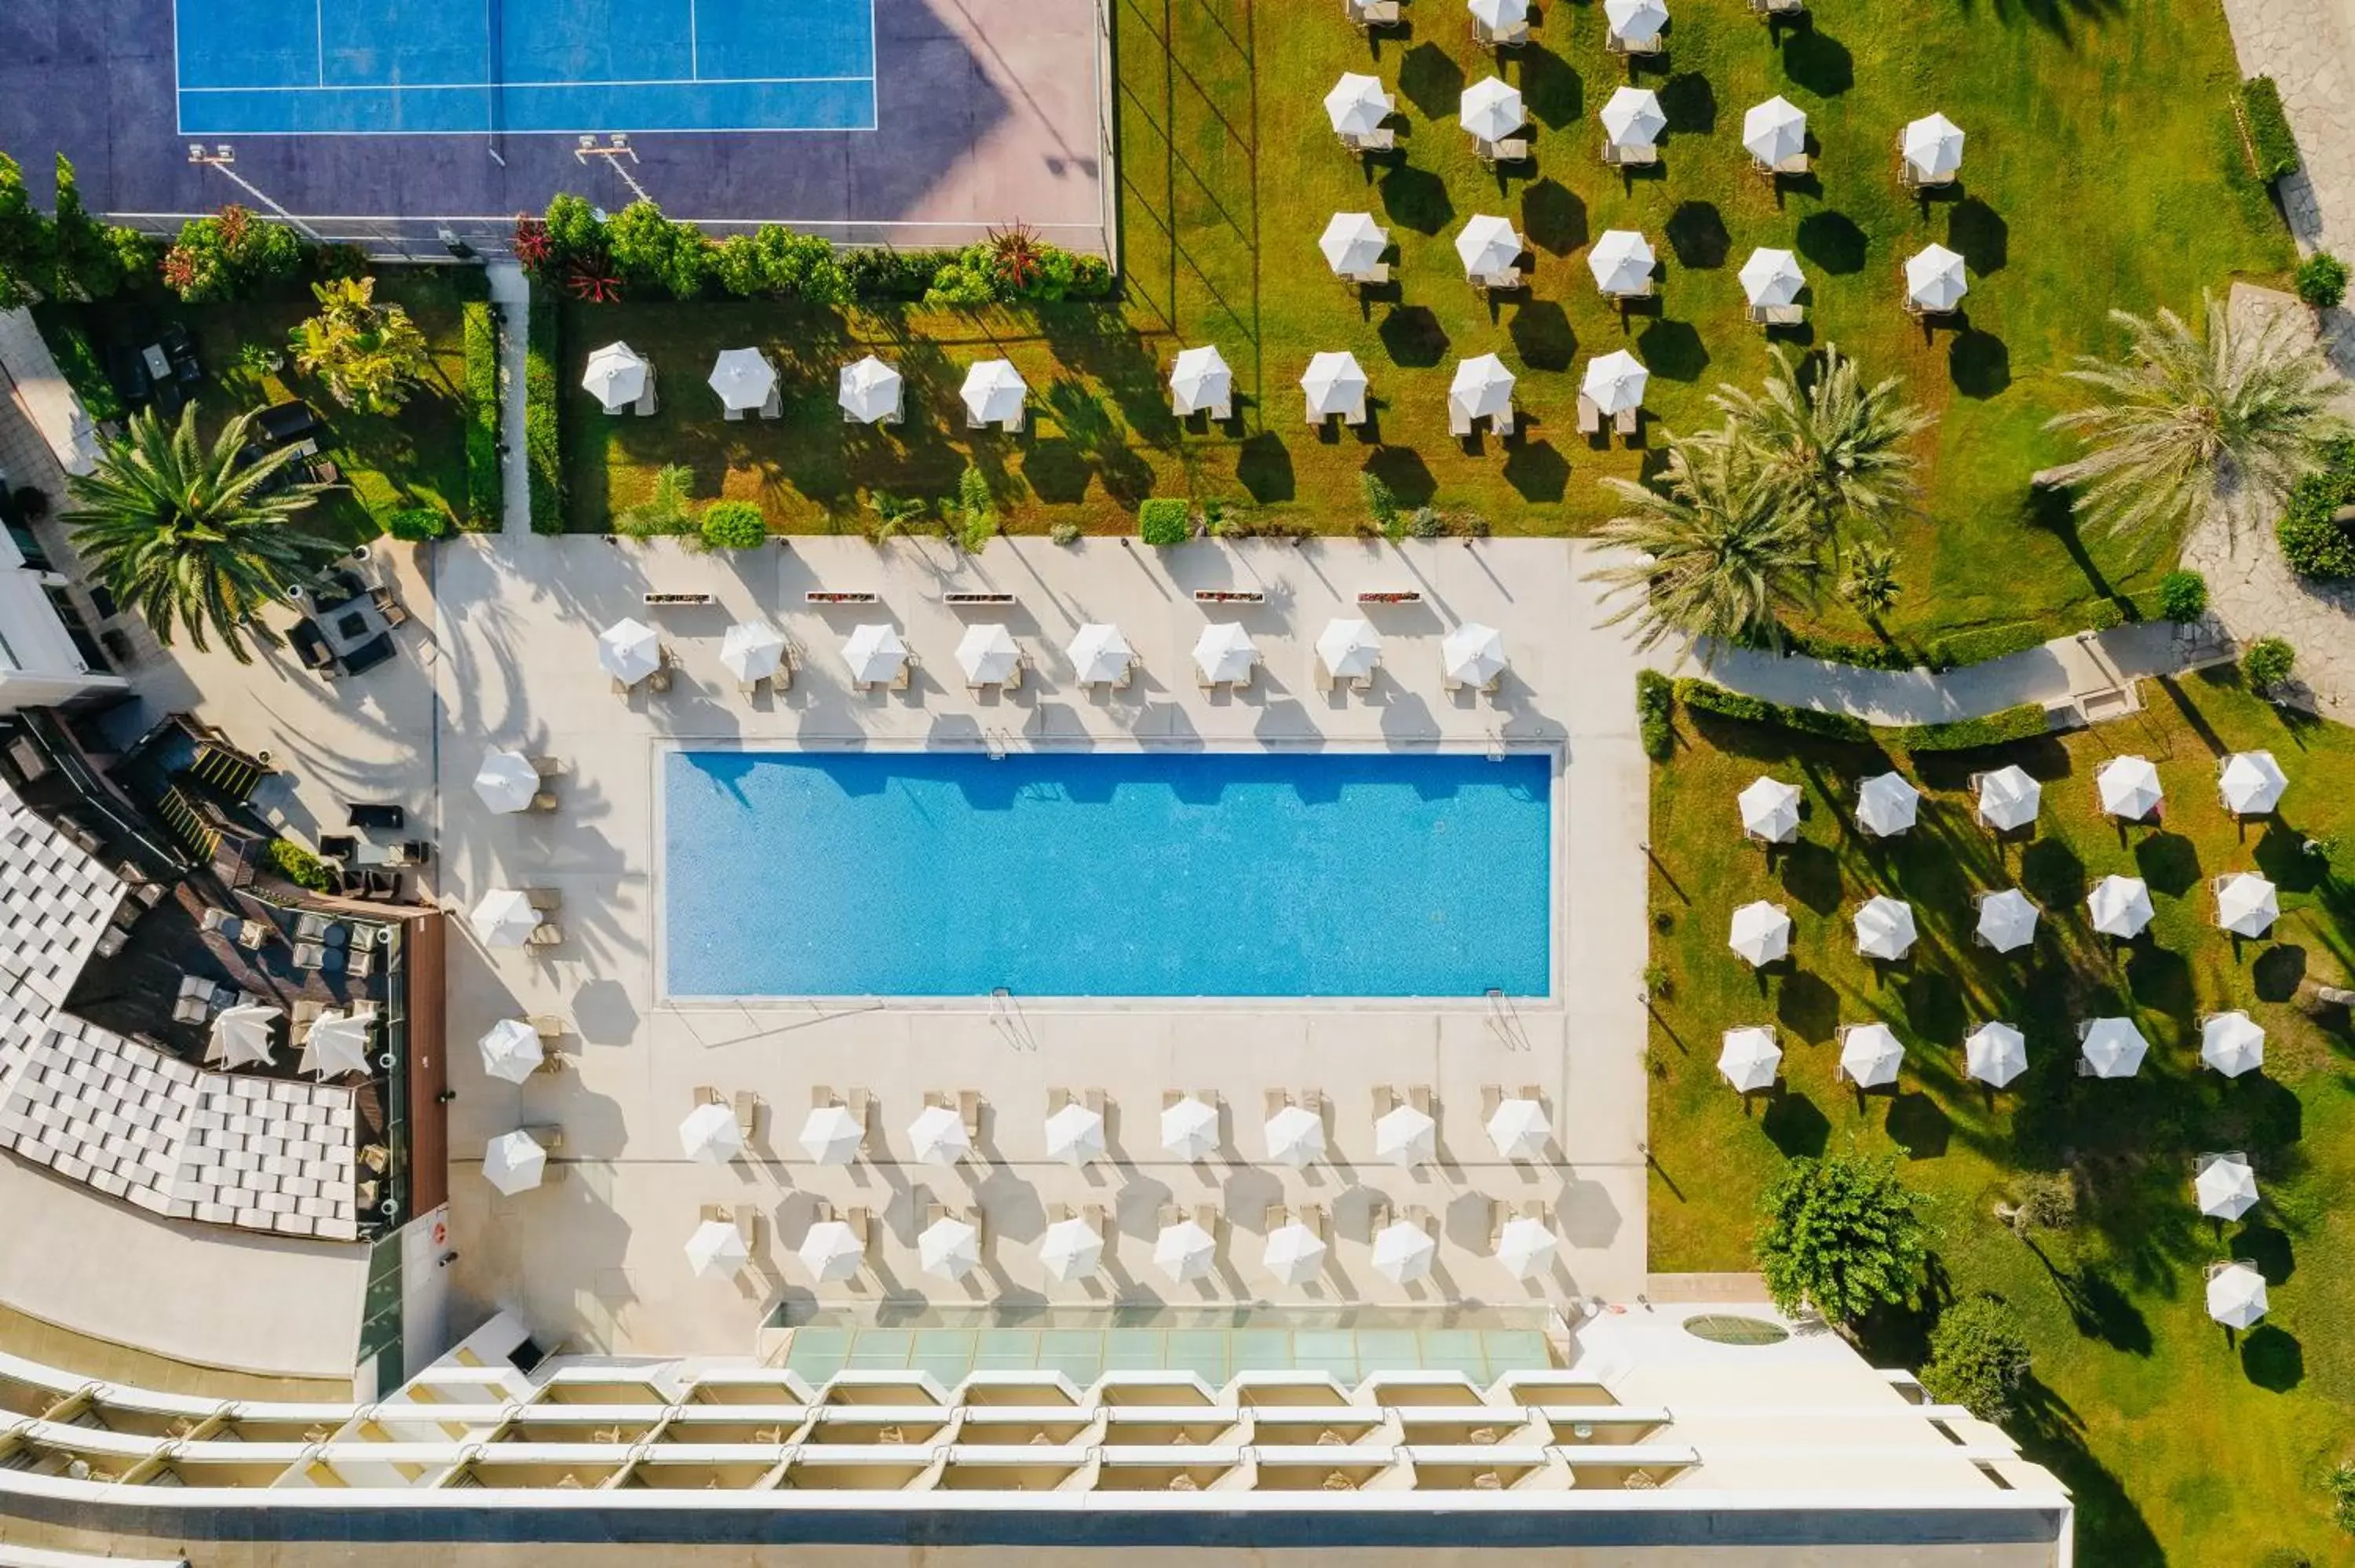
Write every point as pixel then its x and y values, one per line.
pixel 514 1162
pixel 1933 147
pixel 1358 104
pixel 629 650
pixel 1487 245
pixel 753 650
pixel 1870 1056
pixel 1333 383
pixel 1185 1252
pixel 1994 1054
pixel 506 781
pixel 1295 1137
pixel 511 1050
pixel 1770 809
pixel 1622 262
pixel 987 655
pixel 1525 1246
pixel 1774 129
pixel 1772 277
pixel 1886 804
pixel 1100 653
pixel 1491 109
pixel 949 1247
pixel 2008 798
pixel 337 1042
pixel 1934 279
pixel 709 1133
pixel 1349 648
pixel 1403 1252
pixel 1632 118
pixel 1499 13
pixel 868 391
pixel 615 375
pixel 1749 1058
pixel 1521 1129
pixel 993 391
pixel 1472 654
pixel 874 652
pixel 1075 1135
pixel 2232 1043
pixel 1295 1254
pixel 1406 1136
pixel 1884 927
pixel 1761 932
pixel 1615 381
pixel 938 1135
pixel 2113 1047
pixel 832 1252
pixel 1201 380
pixel 2252 783
pixel 1483 388
pixel 2236 1296
pixel 2226 1188
pixel 830 1135
pixel 1353 242
pixel 2129 788
pixel 2245 905
pixel 1189 1130
pixel 743 377
pixel 717 1248
pixel 505 918
pixel 2120 906
pixel 1638 21
pixel 1070 1249
pixel 2007 920
pixel 1224 651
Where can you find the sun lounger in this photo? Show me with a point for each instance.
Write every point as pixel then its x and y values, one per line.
pixel 1796 164
pixel 1382 140
pixel 1511 149
pixel 1369 13
pixel 547 934
pixel 1509 279
pixel 731 413
pixel 1503 423
pixel 1589 418
pixel 1629 155
pixel 1624 422
pixel 1616 45
pixel 776 406
pixel 1778 7
pixel 1459 423
pixel 647 403
pixel 1372 277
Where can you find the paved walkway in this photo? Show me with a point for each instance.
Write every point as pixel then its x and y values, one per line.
pixel 511 290
pixel 2307 46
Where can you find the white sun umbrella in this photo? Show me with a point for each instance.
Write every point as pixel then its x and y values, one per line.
pixel 2245 905
pixel 1406 1136
pixel 1772 277
pixel 1884 927
pixel 1525 1246
pixel 1472 654
pixel 1295 1137
pixel 2008 798
pixel 1749 1058
pixel 993 391
pixel 2252 783
pixel 1634 117
pixel 2232 1043
pixel 629 650
pixel 2113 1047
pixel 938 1135
pixel 241 1034
pixel 616 375
pixel 949 1247
pixel 1933 147
pixel 2236 1296
pixel 1770 809
pixel 1075 1135
pixel 1638 21
pixel 716 1248
pixel 506 781
pixel 987 655
pixel 1761 932
pixel 1483 388
pixel 1185 1252
pixel 1224 651
pixel 1934 279
pixel 2226 1188
pixel 2008 919
pixel 1886 804
pixel 874 653
pixel 868 391
pixel 2129 788
pixel 1774 129
pixel 1357 105
pixel 2120 906
pixel 743 377
pixel 830 1135
pixel 1100 653
pixel 511 1050
pixel 1491 109
pixel 1333 383
pixel 1870 1056
pixel 1403 1252
pixel 1487 245
pixel 1350 648
pixel 1614 382
pixel 753 650
pixel 1189 1130
pixel 1295 1254
pixel 710 1134
pixel 832 1252
pixel 505 918
pixel 1200 380
pixel 1070 1249
pixel 1622 262
pixel 337 1042
pixel 514 1162
pixel 1499 15
pixel 1521 1129
pixel 1353 242
pixel 1994 1054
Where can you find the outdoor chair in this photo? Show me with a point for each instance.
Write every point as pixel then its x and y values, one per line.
pixel 1793 167
pixel 1366 15
pixel 252 934
pixel 1590 416
pixel 1640 291
pixel 1512 150
pixel 774 408
pixel 1509 279
pixel 361 964
pixel 1778 7
pixel 1459 423
pixel 1503 423
pixel 1614 44
pixel 389 606
pixel 1777 315
pixel 544 899
pixel 660 680
pixel 309 955
pixel 1624 422
pixel 649 404
pixel 1618 155
pixel 1372 277
pixel 731 413
pixel 547 934
pixel 189 1010
pixel 219 919
pixel 1512 38
pixel 1381 140
pixel 384 885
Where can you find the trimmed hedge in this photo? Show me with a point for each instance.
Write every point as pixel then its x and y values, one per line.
pixel 734 525
pixel 2025 722
pixel 2313 544
pixel 2269 131
pixel 543 447
pixel 484 497
pixel 1164 520
pixel 1711 698
pixel 78 362
pixel 299 865
pixel 1656 704
pixel 417 525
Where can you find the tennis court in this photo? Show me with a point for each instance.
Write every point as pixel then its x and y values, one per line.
pixel 258 67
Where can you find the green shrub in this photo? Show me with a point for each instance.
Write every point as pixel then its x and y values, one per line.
pixel 877 272
pixel 1164 520
pixel 543 443
pixel 571 233
pixel 2182 596
pixel 2105 614
pixel 2269 133
pixel 2322 280
pixel 78 362
pixel 2342 1486
pixel 658 254
pixel 976 510
pixel 1065 533
pixel 230 255
pixel 774 262
pixel 27 247
pixel 1426 524
pixel 299 865
pixel 734 525
pixel 1841 1233
pixel 967 283
pixel 1708 697
pixel 1982 643
pixel 1656 704
pixel 2025 722
pixel 1978 1357
pixel 666 509
pixel 480 338
pixel 2311 541
pixel 417 525
pixel 2268 661
pixel 1381 502
pixel 1832 650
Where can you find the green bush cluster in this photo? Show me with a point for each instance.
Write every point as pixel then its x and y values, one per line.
pixel 299 865
pixel 69 256
pixel 481 340
pixel 2182 596
pixel 773 262
pixel 1978 1357
pixel 2311 542
pixel 1842 1234
pixel 2268 661
pixel 543 447
pixel 417 525
pixel 233 254
pixel 1656 705
pixel 2322 280
pixel 1164 520
pixel 2268 123
pixel 78 362
pixel 1983 643
pixel 733 526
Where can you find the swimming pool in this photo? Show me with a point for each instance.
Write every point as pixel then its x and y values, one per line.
pixel 1132 874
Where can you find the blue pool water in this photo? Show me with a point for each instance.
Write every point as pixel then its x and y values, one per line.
pixel 793 873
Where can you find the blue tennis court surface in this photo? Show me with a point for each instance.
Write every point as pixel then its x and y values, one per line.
pixel 422 67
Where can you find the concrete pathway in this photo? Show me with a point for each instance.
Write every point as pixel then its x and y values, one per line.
pixel 2307 46
pixel 512 290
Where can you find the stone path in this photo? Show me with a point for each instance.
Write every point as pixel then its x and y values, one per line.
pixel 2307 46
pixel 511 290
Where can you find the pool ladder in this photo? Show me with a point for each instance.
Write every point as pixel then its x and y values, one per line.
pixel 994 741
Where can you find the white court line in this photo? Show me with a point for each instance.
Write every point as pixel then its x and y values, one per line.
pixel 694 47
pixel 319 37
pixel 488 85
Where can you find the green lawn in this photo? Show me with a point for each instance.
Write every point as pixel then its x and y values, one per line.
pixel 2180 1444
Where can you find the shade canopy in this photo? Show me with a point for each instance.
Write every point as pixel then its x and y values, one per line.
pixel 2252 783
pixel 2232 1043
pixel 1099 654
pixel 1472 654
pixel 1761 932
pixel 2007 920
pixel 1358 104
pixel 1353 242
pixel 1491 109
pixel 874 653
pixel 1487 245
pixel 949 1247
pixel 506 781
pixel 2226 1188
pixel 514 1162
pixel 743 377
pixel 1521 1129
pixel 868 391
pixel 1225 651
pixel 1771 279
pixel 1994 1054
pixel 1614 382
pixel 832 1252
pixel 1637 21
pixel 753 650
pixel 1403 1252
pixel 1770 809
pixel 337 1042
pixel 1870 1056
pixel 1185 1252
pixel 2008 798
pixel 1933 147
pixel 994 392
pixel 1075 1134
pixel 1622 262
pixel 1404 1136
pixel 1632 117
pixel 987 655
pixel 1483 388
pixel 1749 1058
pixel 2246 906
pixel 1886 804
pixel 2236 1296
pixel 615 375
pixel 716 1249
pixel 1295 1137
pixel 505 918
pixel 1934 279
pixel 938 1135
pixel 1498 14
pixel 1884 927
pixel 1199 380
pixel 2113 1047
pixel 1070 1249
pixel 1189 1130
pixel 2129 786
pixel 1333 383
pixel 2120 906
pixel 830 1135
pixel 1525 1246
pixel 1349 648
pixel 1774 129
pixel 710 1133
pixel 1295 1254
pixel 629 650
pixel 511 1050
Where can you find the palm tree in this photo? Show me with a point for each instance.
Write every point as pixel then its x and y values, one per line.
pixel 1871 582
pixel 1837 445
pixel 1724 549
pixel 192 536
pixel 893 515
pixel 2185 427
pixel 666 508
